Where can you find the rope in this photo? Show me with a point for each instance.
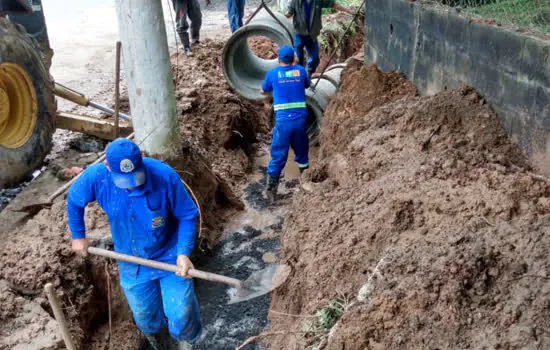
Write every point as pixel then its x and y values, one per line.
pixel 198 207
pixel 338 45
pixel 268 10
pixel 175 41
pixel 176 87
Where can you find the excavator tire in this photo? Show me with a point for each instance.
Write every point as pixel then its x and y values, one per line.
pixel 27 105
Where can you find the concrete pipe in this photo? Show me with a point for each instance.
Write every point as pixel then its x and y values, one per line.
pixel 243 70
pixel 317 100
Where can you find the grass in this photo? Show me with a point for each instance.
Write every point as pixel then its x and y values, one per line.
pixel 532 14
pixel 332 32
pixel 346 3
pixel 325 319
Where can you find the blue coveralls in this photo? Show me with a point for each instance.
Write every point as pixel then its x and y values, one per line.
pixel 155 221
pixel 235 11
pixel 288 84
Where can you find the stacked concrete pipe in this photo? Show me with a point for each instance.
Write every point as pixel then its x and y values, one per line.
pixel 244 71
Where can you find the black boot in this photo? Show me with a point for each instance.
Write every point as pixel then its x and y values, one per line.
pixel 272 183
pixel 179 345
pixel 159 340
pixel 184 37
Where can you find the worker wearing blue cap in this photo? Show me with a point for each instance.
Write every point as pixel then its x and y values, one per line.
pixel 152 216
pixel 288 84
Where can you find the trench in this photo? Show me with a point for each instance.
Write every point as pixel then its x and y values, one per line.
pixel 249 243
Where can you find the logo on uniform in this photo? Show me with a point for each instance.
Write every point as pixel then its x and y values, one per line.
pixel 158 222
pixel 126 166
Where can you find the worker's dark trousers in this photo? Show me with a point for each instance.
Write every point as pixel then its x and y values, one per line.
pixel 185 8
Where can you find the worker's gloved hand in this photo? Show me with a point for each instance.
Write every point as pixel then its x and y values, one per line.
pixel 185 263
pixel 80 246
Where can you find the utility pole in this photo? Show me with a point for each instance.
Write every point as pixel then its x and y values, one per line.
pixel 149 75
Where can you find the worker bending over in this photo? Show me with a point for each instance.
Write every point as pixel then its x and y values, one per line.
pixel 191 9
pixel 306 19
pixel 151 216
pixel 288 83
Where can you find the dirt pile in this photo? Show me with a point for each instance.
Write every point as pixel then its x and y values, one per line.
pixel 344 114
pixel 419 241
pixel 263 47
pixel 219 130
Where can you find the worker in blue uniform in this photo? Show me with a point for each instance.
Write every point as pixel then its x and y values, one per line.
pixel 152 216
pixel 288 84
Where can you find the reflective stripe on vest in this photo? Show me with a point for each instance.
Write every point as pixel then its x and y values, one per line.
pixel 290 105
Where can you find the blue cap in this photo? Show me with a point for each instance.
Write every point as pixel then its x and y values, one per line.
pixel 286 54
pixel 126 163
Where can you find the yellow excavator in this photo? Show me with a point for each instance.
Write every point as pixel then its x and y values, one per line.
pixel 28 116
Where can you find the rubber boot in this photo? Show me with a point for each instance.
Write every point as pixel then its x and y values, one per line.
pixel 272 183
pixel 159 340
pixel 179 345
pixel 184 37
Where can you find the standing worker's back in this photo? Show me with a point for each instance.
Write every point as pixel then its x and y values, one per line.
pixel 288 83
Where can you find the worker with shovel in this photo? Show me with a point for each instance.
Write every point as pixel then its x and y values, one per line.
pixel 288 83
pixel 307 22
pixel 151 216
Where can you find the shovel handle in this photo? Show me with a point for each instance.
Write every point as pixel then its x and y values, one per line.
pixel 233 282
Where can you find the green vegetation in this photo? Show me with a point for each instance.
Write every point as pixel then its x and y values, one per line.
pixel 332 32
pixel 324 320
pixel 531 14
pixel 346 3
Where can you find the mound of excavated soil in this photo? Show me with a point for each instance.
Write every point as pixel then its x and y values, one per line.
pixel 219 130
pixel 263 47
pixel 434 244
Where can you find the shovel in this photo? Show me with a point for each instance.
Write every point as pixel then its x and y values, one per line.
pixel 259 283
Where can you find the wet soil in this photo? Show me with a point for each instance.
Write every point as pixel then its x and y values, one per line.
pixel 222 134
pixel 248 245
pixel 263 47
pixel 426 224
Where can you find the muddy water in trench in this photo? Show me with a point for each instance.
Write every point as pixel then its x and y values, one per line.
pixel 250 242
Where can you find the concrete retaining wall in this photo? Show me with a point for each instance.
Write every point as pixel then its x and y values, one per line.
pixel 438 49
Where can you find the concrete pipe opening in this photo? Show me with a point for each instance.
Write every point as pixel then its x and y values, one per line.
pixel 243 69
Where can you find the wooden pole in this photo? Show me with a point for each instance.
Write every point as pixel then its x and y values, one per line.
pixel 59 316
pixel 117 88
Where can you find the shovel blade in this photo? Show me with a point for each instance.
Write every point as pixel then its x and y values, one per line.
pixel 33 209
pixel 259 283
